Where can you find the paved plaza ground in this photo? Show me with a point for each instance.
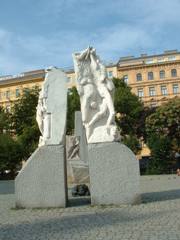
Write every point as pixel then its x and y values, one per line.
pixel 156 218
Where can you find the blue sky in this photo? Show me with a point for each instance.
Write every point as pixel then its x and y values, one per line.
pixel 35 34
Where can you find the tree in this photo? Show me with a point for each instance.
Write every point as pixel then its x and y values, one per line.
pixel 128 106
pixel 73 102
pixel 160 154
pixel 10 154
pixel 4 120
pixel 132 142
pixel 24 110
pixel 24 122
pixel 165 122
pixel 129 110
pixel 163 135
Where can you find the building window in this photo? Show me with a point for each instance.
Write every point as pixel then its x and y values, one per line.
pixel 173 73
pixel 150 76
pixel 7 94
pixel 139 77
pixel 26 90
pixel 160 60
pixel 110 74
pixel 175 89
pixel 140 92
pixel 149 61
pixel 152 91
pixel 125 78
pixel 164 90
pixel 162 74
pixel 17 92
pixel 171 58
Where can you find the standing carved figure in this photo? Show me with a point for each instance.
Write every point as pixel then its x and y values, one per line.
pixel 96 95
pixel 42 114
pixel 49 117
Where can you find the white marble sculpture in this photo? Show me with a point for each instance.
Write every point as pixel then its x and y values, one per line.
pixel 50 115
pixel 42 116
pixel 41 183
pixel 96 95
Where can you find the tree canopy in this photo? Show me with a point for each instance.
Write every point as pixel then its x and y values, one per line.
pixel 24 110
pixel 165 121
pixel 24 121
pixel 128 106
pixel 73 102
pixel 4 120
pixel 10 154
pixel 163 136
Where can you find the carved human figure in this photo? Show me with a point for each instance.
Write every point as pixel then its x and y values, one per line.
pixel 43 117
pixel 73 151
pixel 85 85
pixel 105 88
pixel 96 92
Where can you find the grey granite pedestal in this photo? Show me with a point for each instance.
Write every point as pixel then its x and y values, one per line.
pixel 114 174
pixel 42 181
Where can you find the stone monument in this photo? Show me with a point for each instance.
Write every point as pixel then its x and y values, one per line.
pixel 114 170
pixel 77 154
pixel 42 180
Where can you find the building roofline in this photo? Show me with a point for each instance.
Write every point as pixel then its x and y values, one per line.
pixel 142 65
pixel 145 56
pixel 22 78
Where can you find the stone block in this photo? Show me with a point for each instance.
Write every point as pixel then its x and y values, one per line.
pixel 114 174
pixel 42 181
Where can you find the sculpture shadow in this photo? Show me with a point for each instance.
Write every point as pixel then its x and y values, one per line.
pixel 7 187
pixel 160 196
pixel 78 201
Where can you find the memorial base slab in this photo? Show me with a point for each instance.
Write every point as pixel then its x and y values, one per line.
pixel 114 174
pixel 42 181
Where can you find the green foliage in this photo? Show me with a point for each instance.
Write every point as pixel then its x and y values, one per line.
pixel 165 122
pixel 24 122
pixel 73 105
pixel 130 109
pixel 10 154
pixel 163 136
pixel 160 154
pixel 128 105
pixel 4 120
pixel 24 110
pixel 29 140
pixel 132 142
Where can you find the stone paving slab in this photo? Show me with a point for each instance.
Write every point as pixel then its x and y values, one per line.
pixel 157 218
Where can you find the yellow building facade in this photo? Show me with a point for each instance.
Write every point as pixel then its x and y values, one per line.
pixel 155 79
pixel 12 86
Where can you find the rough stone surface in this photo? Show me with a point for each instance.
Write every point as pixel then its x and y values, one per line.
pixel 42 181
pixel 52 108
pixel 114 174
pixel 80 132
pixel 77 164
pixel 96 96
pixel 156 218
pixel 79 171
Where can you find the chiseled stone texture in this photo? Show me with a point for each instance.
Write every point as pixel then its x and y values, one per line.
pixel 114 174
pixel 55 88
pixel 42 181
